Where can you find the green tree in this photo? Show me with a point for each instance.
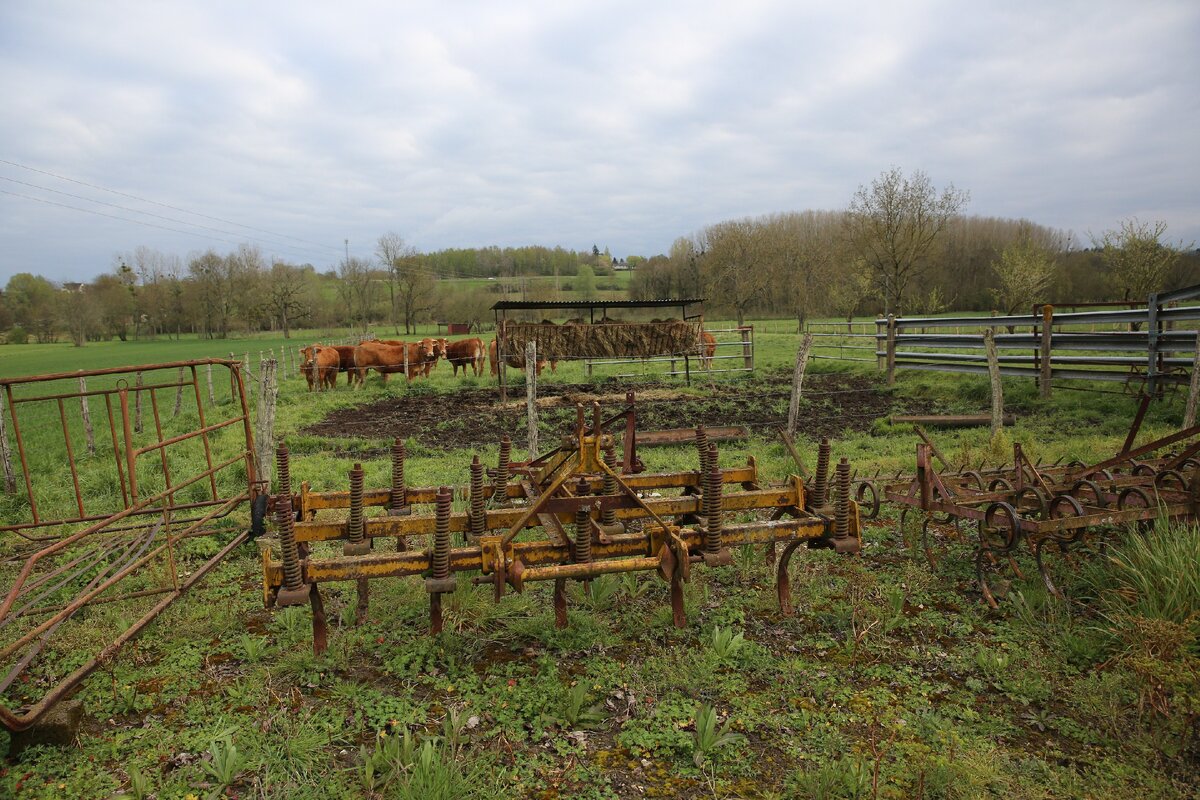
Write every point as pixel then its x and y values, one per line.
pixel 585 282
pixel 1139 262
pixel 893 225
pixel 1023 272
pixel 34 304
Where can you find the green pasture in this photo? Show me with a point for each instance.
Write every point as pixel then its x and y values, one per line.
pixel 892 680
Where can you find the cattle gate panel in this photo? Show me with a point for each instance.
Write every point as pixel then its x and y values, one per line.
pixel 126 479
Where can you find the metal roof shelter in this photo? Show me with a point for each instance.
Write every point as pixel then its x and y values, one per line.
pixel 690 311
pixel 682 304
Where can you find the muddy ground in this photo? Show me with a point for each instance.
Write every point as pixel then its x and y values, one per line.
pixel 832 404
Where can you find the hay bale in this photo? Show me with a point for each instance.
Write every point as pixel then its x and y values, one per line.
pixel 612 339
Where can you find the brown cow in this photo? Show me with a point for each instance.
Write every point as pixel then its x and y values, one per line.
pixel 514 361
pixel 346 361
pixel 436 348
pixel 466 353
pixel 710 349
pixel 320 366
pixel 388 358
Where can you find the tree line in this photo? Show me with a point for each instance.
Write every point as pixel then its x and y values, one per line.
pixel 901 246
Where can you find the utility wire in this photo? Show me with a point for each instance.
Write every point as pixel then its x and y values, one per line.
pixel 288 247
pixel 166 205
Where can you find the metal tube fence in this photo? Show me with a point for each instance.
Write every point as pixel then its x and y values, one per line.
pixel 1152 346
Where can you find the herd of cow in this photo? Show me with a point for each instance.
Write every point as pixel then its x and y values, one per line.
pixel 321 364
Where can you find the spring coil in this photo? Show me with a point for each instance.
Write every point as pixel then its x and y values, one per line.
pixel 476 519
pixel 440 560
pixel 609 515
pixel 702 448
pixel 583 528
pixel 399 491
pixel 712 503
pixel 287 540
pixel 841 522
pixel 283 469
pixel 502 471
pixel 356 504
pixel 820 490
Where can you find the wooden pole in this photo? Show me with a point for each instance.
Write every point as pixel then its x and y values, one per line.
pixel 1047 320
pixel 798 382
pixel 87 416
pixel 933 447
pixel 531 396
pixel 212 398
pixel 1189 416
pixel 747 332
pixel 989 342
pixel 10 479
pixel 264 423
pixel 891 350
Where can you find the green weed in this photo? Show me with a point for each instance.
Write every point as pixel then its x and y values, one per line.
pixel 724 643
pixel 226 762
pixel 708 737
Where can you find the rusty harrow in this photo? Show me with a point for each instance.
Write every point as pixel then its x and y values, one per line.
pixel 1045 507
pixel 570 514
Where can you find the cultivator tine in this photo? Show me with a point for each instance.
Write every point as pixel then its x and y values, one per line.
pixel 440 581
pixel 500 487
pixel 621 523
pixel 398 499
pixel 821 476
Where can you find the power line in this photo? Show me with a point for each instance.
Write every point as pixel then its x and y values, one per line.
pixel 289 247
pixel 165 205
pixel 114 216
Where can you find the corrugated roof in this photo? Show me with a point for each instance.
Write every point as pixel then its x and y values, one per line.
pixel 515 305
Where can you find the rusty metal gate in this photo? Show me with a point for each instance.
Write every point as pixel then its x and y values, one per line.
pixel 119 489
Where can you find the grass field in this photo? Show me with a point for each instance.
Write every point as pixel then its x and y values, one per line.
pixel 890 681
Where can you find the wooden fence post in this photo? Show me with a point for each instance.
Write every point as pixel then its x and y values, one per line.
pixel 212 398
pixel 531 396
pixel 989 342
pixel 10 479
pixel 87 416
pixel 1047 373
pixel 891 350
pixel 1189 415
pixel 747 332
pixel 264 423
pixel 798 383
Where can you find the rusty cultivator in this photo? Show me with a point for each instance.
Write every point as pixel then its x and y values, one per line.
pixel 1051 507
pixel 92 554
pixel 572 514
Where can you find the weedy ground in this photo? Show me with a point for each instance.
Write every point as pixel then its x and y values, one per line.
pixel 891 680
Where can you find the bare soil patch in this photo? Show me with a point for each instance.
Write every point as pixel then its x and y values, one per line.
pixel 833 403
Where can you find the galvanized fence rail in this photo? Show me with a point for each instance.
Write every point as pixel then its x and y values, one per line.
pixel 1146 347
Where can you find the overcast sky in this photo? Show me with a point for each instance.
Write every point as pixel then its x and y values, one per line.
pixel 297 126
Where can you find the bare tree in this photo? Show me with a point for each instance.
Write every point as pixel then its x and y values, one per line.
pixel 893 224
pixel 410 284
pixel 355 290
pixel 288 295
pixel 208 293
pixel 1139 262
pixel 736 264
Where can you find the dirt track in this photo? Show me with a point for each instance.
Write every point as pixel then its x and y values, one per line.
pixel 833 403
